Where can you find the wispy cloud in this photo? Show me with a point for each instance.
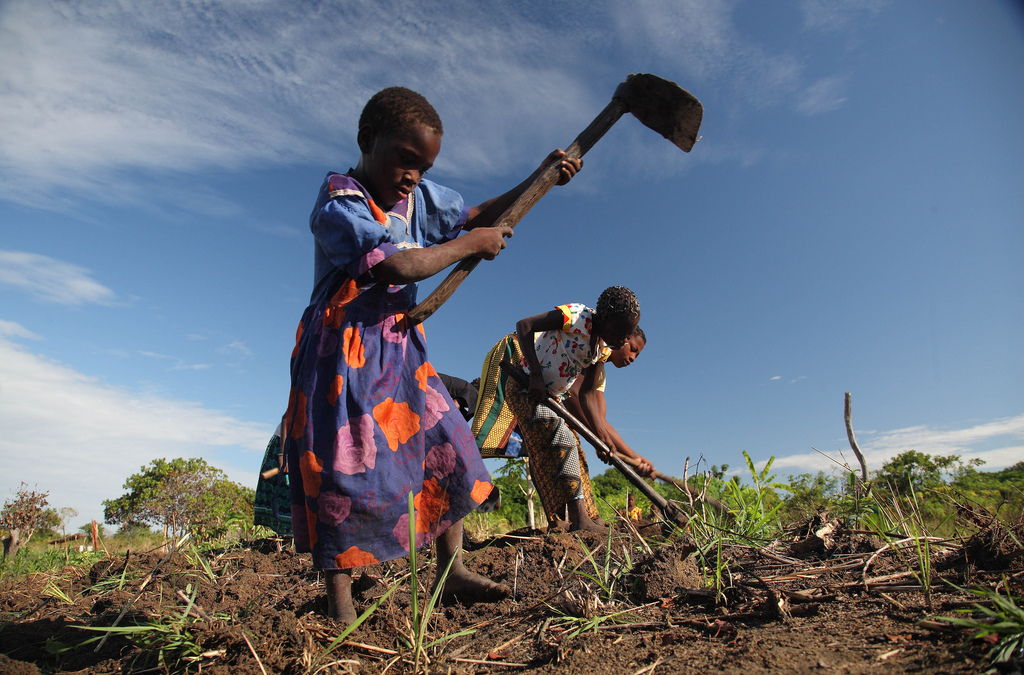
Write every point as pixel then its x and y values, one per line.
pixel 16 330
pixel 235 348
pixel 832 15
pixel 79 438
pixel 126 95
pixel 823 96
pixel 178 363
pixel 51 280
pixel 999 443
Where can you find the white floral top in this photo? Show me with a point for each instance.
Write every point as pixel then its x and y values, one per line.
pixel 564 354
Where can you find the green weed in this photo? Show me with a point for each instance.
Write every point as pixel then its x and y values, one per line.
pixel 1005 618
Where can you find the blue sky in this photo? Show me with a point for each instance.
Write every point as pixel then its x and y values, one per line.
pixel 851 219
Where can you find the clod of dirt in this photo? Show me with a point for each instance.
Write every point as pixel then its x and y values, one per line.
pixel 667 572
pixel 994 546
pixel 12 667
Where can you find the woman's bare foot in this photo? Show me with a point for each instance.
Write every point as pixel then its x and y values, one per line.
pixel 580 520
pixel 339 597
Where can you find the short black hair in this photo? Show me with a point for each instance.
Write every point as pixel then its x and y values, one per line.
pixel 618 304
pixel 639 332
pixel 395 108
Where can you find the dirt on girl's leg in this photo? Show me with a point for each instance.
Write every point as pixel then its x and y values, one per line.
pixel 461 584
pixel 339 596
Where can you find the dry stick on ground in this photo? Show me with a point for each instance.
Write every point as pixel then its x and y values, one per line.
pixel 145 582
pixel 193 607
pixel 853 440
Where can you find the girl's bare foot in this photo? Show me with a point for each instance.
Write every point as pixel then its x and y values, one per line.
pixel 339 597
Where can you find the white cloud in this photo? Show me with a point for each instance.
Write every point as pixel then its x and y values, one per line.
pixel 832 15
pixel 700 40
pixel 236 348
pixel 998 443
pixel 79 439
pixel 107 88
pixel 823 96
pixel 16 330
pixel 51 280
pixel 179 364
pixel 120 92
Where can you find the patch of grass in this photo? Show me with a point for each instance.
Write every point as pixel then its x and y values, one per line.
pixel 1004 620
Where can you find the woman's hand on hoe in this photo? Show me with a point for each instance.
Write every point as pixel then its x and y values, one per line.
pixel 569 167
pixel 644 467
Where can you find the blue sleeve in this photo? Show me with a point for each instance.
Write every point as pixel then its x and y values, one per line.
pixel 345 231
pixel 445 212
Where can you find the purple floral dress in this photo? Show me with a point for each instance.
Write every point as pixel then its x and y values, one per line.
pixel 369 422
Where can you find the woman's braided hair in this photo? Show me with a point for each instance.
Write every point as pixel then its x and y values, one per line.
pixel 396 108
pixel 618 303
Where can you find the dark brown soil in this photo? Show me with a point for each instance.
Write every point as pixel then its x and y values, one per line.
pixel 580 604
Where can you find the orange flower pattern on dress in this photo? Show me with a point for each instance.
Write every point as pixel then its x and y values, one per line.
pixel 334 313
pixel 423 372
pixel 481 490
pixel 361 385
pixel 311 466
pixel 295 418
pixel 335 392
pixel 353 557
pixel 298 339
pixel 431 503
pixel 355 355
pixel 397 420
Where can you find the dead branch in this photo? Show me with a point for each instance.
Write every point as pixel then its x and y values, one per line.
pixel 853 441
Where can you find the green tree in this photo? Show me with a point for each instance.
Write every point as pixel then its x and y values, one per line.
pixel 180 495
pixel 923 471
pixel 22 516
pixel 225 504
pixel 810 492
pixel 511 480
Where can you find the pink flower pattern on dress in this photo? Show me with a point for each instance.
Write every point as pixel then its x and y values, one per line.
pixel 333 507
pixel 392 332
pixel 401 532
pixel 436 407
pixel 441 460
pixel 354 447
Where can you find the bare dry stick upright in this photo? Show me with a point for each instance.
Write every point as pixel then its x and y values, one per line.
pixel 853 441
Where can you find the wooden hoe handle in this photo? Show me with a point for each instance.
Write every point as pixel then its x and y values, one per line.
pixel 514 213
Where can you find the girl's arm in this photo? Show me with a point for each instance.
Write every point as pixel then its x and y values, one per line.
pixel 487 213
pixel 416 264
pixel 525 328
pixel 480 239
